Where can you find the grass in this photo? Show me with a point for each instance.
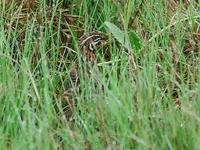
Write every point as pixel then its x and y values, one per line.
pixel 153 104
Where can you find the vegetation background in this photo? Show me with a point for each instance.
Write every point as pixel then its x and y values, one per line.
pixel 145 96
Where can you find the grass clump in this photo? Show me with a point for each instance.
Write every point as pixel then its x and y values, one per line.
pixel 144 96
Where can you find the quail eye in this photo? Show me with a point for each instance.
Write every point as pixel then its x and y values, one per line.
pixel 98 39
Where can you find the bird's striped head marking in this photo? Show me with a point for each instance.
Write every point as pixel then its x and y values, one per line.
pixel 89 42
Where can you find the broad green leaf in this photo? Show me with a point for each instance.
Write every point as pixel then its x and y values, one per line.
pixel 117 33
pixel 134 41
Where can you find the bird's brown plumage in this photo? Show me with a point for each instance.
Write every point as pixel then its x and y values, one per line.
pixel 87 44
